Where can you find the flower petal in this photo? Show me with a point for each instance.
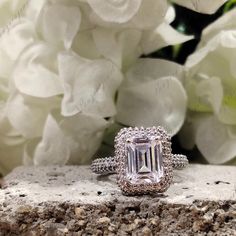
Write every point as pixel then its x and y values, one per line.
pixel 85 46
pixel 60 23
pixel 170 14
pixel 205 94
pixel 35 72
pixel 164 35
pixel 13 42
pixel 214 141
pixel 212 90
pixel 53 148
pixel 203 6
pixel 10 9
pixel 121 47
pixel 29 149
pixel 130 43
pixel 222 44
pixel 33 10
pixel 90 86
pixel 9 136
pixel 227 113
pixel 119 11
pixel 187 134
pixel 149 69
pixel 151 13
pixel 152 102
pixel 225 22
pixel 70 140
pixel 28 115
pixel 85 134
pixel 107 45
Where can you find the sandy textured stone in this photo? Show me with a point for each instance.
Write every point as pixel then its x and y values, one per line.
pixel 70 200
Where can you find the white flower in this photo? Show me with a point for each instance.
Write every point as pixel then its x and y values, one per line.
pixel 153 96
pixel 211 88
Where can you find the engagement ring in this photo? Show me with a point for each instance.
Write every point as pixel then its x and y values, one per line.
pixel 143 161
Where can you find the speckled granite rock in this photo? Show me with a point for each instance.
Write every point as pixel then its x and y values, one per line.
pixel 71 200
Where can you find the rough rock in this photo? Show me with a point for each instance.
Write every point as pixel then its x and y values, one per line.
pixel 70 200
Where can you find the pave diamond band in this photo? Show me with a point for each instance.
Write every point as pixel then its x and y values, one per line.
pixel 179 161
pixel 108 165
pixel 104 166
pixel 143 161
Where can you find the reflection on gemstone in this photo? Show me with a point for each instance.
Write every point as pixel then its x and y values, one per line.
pixel 144 160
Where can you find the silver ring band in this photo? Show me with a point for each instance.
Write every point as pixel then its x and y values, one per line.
pixel 108 165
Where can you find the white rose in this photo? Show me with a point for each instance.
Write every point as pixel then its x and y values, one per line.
pixel 211 88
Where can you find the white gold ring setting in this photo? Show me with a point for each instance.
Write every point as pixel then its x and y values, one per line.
pixel 143 161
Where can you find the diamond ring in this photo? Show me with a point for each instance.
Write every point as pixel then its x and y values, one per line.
pixel 143 161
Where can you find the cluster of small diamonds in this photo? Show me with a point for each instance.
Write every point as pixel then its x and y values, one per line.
pixel 104 166
pixel 120 152
pixel 179 161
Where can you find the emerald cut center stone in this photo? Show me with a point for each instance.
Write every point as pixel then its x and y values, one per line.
pixel 144 160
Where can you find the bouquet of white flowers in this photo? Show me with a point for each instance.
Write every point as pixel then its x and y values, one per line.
pixel 69 69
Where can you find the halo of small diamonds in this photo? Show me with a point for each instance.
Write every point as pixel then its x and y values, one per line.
pixel 127 186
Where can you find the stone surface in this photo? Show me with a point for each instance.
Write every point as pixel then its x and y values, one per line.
pixel 71 200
